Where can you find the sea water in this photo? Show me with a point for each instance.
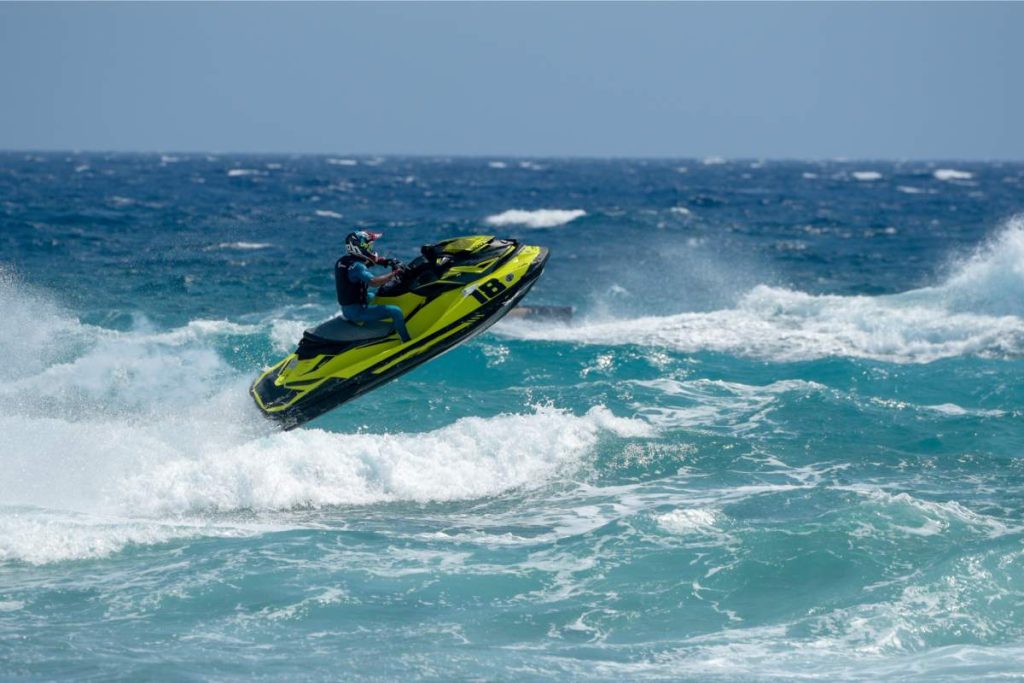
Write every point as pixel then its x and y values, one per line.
pixel 781 438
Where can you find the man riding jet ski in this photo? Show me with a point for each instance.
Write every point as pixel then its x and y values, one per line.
pixel 454 290
pixel 352 281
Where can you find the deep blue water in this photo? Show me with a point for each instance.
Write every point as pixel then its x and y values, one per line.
pixel 781 439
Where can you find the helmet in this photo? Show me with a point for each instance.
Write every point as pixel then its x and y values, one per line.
pixel 360 245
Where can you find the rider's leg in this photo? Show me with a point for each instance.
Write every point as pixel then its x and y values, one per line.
pixel 372 313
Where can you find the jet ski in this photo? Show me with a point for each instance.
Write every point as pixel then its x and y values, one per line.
pixel 452 291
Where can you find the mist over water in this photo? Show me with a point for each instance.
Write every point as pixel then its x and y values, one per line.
pixel 780 438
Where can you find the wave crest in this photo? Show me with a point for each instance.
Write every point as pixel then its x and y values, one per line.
pixel 978 310
pixel 540 218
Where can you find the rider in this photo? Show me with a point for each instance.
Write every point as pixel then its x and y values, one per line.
pixel 353 279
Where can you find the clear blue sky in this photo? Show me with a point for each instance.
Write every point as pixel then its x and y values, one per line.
pixel 737 80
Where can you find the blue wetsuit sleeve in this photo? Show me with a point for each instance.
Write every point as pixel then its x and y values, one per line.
pixel 357 272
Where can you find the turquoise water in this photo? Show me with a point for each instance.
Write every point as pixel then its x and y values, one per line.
pixel 781 438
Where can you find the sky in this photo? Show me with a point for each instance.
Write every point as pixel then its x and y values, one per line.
pixel 737 80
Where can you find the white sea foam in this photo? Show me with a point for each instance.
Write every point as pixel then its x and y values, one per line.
pixel 908 189
pixel 242 172
pixel 539 218
pixel 323 213
pixel 284 333
pixel 708 404
pixel 342 162
pixel 713 161
pixel 42 536
pixel 497 164
pixel 241 246
pixel 953 410
pixel 977 310
pixel 118 438
pixel 688 520
pixel 866 176
pixel 952 174
pixel 784 325
pixel 907 514
pixel 472 458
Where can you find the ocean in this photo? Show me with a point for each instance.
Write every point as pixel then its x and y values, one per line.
pixel 781 438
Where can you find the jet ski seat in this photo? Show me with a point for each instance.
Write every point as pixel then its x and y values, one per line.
pixel 340 330
pixel 337 333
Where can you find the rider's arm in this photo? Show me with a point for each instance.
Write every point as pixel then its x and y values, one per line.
pixel 360 273
pixel 381 279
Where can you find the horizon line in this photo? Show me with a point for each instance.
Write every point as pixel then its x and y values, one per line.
pixel 498 157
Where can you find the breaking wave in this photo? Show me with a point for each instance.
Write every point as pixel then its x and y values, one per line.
pixel 978 310
pixel 131 438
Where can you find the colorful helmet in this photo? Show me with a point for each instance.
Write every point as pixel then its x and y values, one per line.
pixel 360 245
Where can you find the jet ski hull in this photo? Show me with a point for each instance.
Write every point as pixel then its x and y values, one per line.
pixel 307 385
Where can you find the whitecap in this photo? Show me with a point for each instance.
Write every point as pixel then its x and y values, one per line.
pixel 241 246
pixel 342 162
pixel 952 174
pixel 539 218
pixel 866 176
pixel 323 213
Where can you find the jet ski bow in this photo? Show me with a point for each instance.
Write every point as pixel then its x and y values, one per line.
pixel 453 291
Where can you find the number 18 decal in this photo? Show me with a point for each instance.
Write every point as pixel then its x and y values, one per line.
pixel 488 290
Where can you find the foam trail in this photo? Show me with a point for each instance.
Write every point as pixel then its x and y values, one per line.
pixel 978 310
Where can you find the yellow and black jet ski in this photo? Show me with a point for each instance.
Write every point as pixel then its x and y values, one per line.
pixel 454 290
